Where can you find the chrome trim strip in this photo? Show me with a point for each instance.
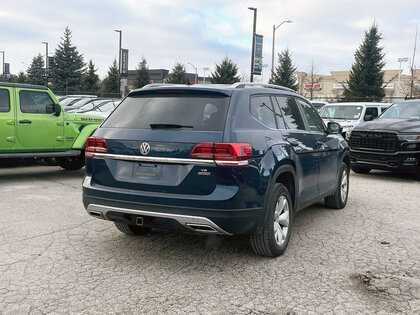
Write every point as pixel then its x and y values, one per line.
pixel 374 163
pixel 151 159
pixel 385 153
pixel 232 163
pixel 184 220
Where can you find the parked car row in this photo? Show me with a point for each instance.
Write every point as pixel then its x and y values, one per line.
pixel 89 105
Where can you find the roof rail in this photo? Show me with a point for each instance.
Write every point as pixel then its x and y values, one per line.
pixel 162 84
pixel 240 85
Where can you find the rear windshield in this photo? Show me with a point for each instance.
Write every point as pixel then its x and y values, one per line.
pixel 186 112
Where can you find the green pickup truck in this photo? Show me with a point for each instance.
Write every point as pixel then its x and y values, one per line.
pixel 34 125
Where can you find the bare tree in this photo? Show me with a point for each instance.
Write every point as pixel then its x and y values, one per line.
pixel 412 66
pixel 411 87
pixel 310 80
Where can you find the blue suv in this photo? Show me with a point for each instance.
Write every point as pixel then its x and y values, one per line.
pixel 216 159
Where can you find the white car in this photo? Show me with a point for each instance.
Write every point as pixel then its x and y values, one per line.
pixel 318 104
pixel 349 115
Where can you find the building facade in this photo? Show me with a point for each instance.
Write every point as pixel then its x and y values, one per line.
pixel 331 87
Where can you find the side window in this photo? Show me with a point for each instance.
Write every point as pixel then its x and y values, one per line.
pixel 371 111
pixel 314 121
pixel 34 101
pixel 4 101
pixel 290 112
pixel 383 109
pixel 262 110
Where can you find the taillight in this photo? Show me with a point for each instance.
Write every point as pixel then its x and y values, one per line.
pixel 223 154
pixel 95 145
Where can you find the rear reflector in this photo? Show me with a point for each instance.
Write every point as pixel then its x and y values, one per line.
pixel 95 145
pixel 223 154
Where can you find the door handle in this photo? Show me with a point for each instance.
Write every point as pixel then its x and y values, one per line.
pixel 25 121
pixel 293 142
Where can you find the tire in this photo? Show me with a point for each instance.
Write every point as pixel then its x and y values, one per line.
pixel 71 163
pixel 277 224
pixel 339 199
pixel 360 170
pixel 132 229
pixel 50 161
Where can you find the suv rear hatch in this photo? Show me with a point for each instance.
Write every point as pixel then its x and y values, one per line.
pixel 149 139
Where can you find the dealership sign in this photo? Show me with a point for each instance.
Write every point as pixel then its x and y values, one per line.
pixel 340 86
pixel 258 59
pixel 124 62
pixel 316 86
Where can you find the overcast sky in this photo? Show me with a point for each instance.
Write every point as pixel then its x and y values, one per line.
pixel 203 32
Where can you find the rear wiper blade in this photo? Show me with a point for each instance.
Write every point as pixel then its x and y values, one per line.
pixel 164 126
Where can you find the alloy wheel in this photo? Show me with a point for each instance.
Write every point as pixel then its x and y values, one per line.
pixel 281 220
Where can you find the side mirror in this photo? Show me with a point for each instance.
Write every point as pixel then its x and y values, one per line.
pixel 334 127
pixel 57 109
pixel 368 117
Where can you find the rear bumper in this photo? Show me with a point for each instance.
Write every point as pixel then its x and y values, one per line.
pixel 401 160
pixel 106 203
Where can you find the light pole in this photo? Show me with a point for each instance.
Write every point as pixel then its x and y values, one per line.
pixel 254 29
pixel 400 60
pixel 204 76
pixel 195 68
pixel 274 38
pixel 265 65
pixel 2 68
pixel 46 62
pixel 119 62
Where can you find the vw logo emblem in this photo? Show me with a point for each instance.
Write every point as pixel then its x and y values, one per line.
pixel 144 148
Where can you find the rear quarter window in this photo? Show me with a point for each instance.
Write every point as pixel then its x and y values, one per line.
pixel 4 101
pixel 197 112
pixel 262 110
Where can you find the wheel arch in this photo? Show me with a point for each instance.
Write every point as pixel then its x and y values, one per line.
pixel 286 175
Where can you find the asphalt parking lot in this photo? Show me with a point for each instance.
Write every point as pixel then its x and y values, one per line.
pixel 54 258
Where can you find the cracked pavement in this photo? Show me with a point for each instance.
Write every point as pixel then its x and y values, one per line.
pixel 54 258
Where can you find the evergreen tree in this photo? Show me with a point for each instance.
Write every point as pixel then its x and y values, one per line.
pixel 36 71
pixel 111 81
pixel 143 76
pixel 226 72
pixel 366 76
pixel 21 78
pixel 68 65
pixel 90 80
pixel 178 74
pixel 285 72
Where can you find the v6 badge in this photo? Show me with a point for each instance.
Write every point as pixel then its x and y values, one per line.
pixel 204 172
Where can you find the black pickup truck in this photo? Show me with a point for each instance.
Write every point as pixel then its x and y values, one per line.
pixel 391 142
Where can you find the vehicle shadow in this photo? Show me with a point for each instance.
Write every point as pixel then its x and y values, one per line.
pixel 169 247
pixel 387 175
pixel 16 170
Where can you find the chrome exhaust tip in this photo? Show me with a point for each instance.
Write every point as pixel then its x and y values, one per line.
pixel 96 214
pixel 202 228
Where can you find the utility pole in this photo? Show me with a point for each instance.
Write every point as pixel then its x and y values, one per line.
pixel 204 76
pixel 196 75
pixel 2 68
pixel 254 30
pixel 274 36
pixel 400 60
pixel 119 62
pixel 46 63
